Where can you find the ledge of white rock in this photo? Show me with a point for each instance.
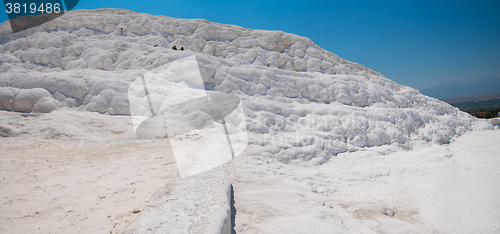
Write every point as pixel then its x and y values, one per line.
pixel 195 204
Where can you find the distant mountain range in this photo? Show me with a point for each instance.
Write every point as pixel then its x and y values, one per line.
pixel 484 106
pixel 473 99
pixel 468 88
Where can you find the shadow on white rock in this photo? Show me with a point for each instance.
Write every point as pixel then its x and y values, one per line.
pixel 46 105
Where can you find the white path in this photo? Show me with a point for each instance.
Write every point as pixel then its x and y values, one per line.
pixel 426 188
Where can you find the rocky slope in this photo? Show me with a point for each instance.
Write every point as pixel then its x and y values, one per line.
pixel 301 101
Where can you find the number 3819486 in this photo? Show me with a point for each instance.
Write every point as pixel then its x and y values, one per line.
pixel 32 8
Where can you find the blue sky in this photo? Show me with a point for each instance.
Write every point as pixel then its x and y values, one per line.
pixel 415 43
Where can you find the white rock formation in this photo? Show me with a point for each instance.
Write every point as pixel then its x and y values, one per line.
pixel 293 91
pixel 302 104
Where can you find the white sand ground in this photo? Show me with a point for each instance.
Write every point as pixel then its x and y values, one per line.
pixel 92 178
pixel 467 193
pixel 451 188
pixel 81 172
